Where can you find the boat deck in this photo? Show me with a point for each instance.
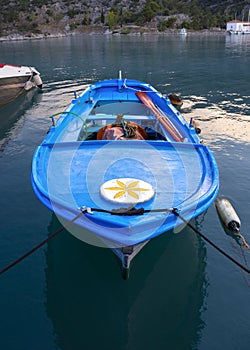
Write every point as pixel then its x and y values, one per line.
pixel 181 174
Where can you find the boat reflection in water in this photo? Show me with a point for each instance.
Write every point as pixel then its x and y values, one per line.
pixel 159 307
pixel 11 113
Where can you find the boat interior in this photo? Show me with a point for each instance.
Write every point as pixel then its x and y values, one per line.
pixel 135 121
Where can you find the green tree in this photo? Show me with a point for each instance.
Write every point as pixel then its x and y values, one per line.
pixel 170 23
pixel 112 20
pixel 86 20
pixel 102 17
pixel 149 11
pixel 9 15
pixel 58 17
pixel 24 5
pixel 127 16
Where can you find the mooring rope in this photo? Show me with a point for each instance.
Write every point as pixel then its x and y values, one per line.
pixel 65 112
pixel 212 243
pixel 244 243
pixel 133 211
pixel 124 212
pixel 21 258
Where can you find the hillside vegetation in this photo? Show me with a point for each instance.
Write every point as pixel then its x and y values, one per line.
pixel 61 16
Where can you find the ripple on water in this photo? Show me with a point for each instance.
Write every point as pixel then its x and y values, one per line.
pixel 218 122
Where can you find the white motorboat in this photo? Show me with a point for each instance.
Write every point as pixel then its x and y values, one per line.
pixel 183 31
pixel 16 80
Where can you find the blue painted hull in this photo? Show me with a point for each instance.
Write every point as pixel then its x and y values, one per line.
pixel 71 165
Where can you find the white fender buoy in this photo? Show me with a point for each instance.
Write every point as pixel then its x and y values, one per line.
pixel 28 85
pixel 37 80
pixel 227 214
pixel 229 218
pixel 195 124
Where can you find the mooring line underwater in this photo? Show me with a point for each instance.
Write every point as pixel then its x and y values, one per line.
pixel 36 247
pixel 122 211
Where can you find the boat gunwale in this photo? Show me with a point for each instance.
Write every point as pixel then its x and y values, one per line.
pixel 128 240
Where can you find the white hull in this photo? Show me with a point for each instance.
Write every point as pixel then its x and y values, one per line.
pixel 16 80
pixel 238 32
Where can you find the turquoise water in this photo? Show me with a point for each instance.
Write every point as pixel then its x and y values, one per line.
pixel 182 293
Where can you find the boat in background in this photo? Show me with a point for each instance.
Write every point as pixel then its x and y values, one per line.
pixel 16 80
pixel 119 164
pixel 183 31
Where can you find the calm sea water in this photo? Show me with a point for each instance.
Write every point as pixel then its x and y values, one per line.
pixel 182 294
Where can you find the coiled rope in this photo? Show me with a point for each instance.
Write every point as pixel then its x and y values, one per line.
pixel 124 212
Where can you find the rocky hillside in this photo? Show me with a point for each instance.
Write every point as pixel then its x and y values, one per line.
pixel 46 17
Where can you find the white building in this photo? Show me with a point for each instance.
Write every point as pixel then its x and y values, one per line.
pixel 238 27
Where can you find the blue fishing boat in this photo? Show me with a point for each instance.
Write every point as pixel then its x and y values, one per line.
pixel 120 165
